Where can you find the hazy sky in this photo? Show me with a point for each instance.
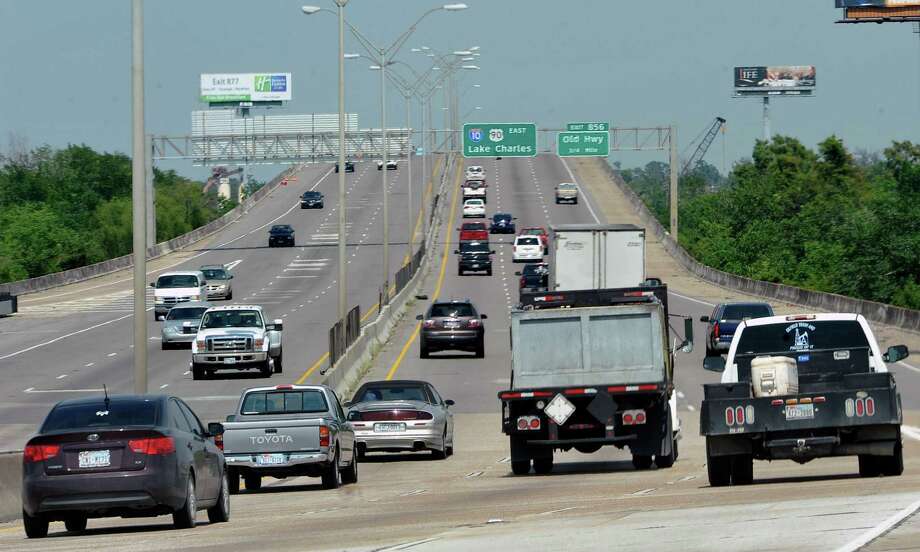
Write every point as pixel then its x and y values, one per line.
pixel 65 65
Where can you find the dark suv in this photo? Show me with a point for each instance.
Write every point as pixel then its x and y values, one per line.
pixel 725 319
pixel 534 277
pixel 452 326
pixel 349 167
pixel 475 256
pixel 281 235
pixel 311 199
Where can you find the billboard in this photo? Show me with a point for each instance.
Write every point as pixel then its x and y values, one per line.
pixel 245 87
pixel 775 77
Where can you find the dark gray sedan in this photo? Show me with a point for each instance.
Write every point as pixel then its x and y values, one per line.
pixel 127 456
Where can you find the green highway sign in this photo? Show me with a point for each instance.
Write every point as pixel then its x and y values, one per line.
pixel 587 127
pixel 583 144
pixel 499 139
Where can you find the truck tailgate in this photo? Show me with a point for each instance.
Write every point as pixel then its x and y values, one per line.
pixel 271 436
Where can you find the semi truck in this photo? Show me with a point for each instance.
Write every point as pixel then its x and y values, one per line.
pixel 597 256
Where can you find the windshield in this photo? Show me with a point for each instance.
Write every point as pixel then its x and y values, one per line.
pixel 186 313
pixel 535 269
pixel 473 226
pixel 284 402
pixel 474 247
pixel 474 203
pixel 394 393
pixel 281 229
pixel 310 195
pixel 177 281
pixel 566 186
pixel 452 310
pixel 232 319
pixel 740 312
pixel 215 273
pixel 97 415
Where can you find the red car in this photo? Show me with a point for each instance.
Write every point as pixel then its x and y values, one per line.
pixel 474 231
pixel 540 232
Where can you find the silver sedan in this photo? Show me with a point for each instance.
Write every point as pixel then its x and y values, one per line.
pixel 401 416
pixel 181 324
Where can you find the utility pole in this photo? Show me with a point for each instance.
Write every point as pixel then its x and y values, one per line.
pixel 151 193
pixel 138 196
pixel 766 118
pixel 385 191
pixel 343 289
pixel 411 215
pixel 673 189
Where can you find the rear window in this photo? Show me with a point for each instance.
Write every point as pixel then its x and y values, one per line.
pixel 802 335
pixel 473 226
pixel 284 402
pixel 452 310
pixel 185 313
pixel 395 393
pixel 535 269
pixel 177 281
pixel 474 247
pixel 501 216
pixel 310 195
pixel 99 415
pixel 740 312
pixel 528 241
pixel 476 202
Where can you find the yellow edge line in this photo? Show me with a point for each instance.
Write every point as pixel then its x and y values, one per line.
pixel 437 290
pixel 313 368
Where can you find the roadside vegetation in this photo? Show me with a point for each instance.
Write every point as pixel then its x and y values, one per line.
pixel 823 220
pixel 62 209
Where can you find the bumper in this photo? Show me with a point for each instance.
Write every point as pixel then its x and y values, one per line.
pixel 219 294
pixel 465 340
pixel 572 198
pixel 475 267
pixel 291 460
pixel 177 338
pixel 524 257
pixel 275 242
pixel 317 205
pixel 240 360
pixel 474 214
pixel 428 439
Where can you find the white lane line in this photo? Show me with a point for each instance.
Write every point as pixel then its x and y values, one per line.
pixel 675 294
pixel 643 492
pixel 33 390
pixel 88 364
pixel 187 372
pixel 691 408
pixel 680 395
pixel 558 511
pixel 110 355
pixel 233 264
pixel 62 376
pixel 65 336
pixel 587 202
pixel 910 431
pixel 879 529
pixel 289 277
pixel 909 367
pixel 407 545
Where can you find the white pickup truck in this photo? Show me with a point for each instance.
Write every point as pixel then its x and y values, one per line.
pixel 236 337
pixel 289 431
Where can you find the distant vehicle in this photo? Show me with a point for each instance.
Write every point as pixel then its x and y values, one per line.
pixel 452 326
pixel 566 191
pixel 801 387
pixel 281 235
pixel 474 189
pixel 237 337
pixel 502 223
pixel 217 278
pixel 473 231
pixel 527 248
pixel 349 167
pixel 289 431
pixel 122 456
pixel 540 232
pixel 475 256
pixel 401 415
pixel 311 199
pixel 475 172
pixel 725 318
pixel 534 277
pixel 181 324
pixel 474 208
pixel 391 165
pixel 597 256
pixel 172 288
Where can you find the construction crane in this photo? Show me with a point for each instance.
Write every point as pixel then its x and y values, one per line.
pixel 703 146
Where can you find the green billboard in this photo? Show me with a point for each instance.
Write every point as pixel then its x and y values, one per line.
pixel 499 140
pixel 583 144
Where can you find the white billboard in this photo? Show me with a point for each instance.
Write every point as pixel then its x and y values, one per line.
pixel 245 87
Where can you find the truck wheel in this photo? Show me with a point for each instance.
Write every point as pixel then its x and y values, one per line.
pixel 666 461
pixel 36 526
pixel 719 469
pixel 423 351
pixel 165 345
pixel 520 467
pixel 197 371
pixel 481 348
pixel 332 477
pixel 233 481
pixel 278 366
pixel 266 369
pixel 459 271
pixel 575 201
pixel 892 465
pixel 742 469
pixel 868 466
pixel 543 466
pixel 253 481
pixel 642 461
pixel 350 474
pixel 489 272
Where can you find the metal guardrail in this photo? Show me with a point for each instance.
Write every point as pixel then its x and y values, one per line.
pixel 405 274
pixel 343 333
pixel 8 304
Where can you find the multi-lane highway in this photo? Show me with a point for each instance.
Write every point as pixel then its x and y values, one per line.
pixel 72 340
pixel 471 500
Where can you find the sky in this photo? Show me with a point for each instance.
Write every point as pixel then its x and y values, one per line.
pixel 65 66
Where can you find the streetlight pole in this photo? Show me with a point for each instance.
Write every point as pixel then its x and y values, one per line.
pixel 138 196
pixel 343 261
pixel 385 191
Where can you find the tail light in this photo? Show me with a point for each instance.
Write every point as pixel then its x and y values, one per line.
pixel 40 453
pixel 429 323
pixel 324 436
pixel 640 418
pixel 627 419
pixel 715 329
pixel 527 423
pixel 633 417
pixel 523 282
pixel 535 423
pixel 153 445
pixel 219 441
pixel 474 323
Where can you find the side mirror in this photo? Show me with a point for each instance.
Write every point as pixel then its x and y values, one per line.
pixel 714 364
pixel 687 346
pixel 153 284
pixel 346 404
pixel 231 276
pixel 492 252
pixel 518 273
pixel 215 428
pixel 483 316
pixel 419 317
pixel 896 353
pixel 456 251
pixel 421 297
pixel 449 402
pixel 276 325
pixel 704 319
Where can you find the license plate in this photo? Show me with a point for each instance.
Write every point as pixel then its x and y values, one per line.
pixel 474 266
pixel 389 428
pixel 800 412
pixel 451 324
pixel 230 360
pixel 94 458
pixel 270 459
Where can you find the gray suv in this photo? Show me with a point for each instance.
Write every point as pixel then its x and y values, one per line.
pixel 218 282
pixel 452 325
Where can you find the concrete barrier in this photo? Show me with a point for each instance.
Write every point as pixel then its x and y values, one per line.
pixel 82 273
pixel 10 485
pixel 883 313
pixel 347 373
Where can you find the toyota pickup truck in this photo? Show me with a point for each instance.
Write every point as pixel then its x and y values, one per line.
pixel 289 431
pixel 236 337
pixel 827 393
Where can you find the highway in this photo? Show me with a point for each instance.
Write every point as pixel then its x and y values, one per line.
pixel 471 500
pixel 72 340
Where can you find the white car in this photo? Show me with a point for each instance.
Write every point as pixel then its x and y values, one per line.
pixel 391 165
pixel 474 208
pixel 475 172
pixel 527 248
pixel 474 190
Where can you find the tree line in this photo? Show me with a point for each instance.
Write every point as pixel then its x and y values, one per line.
pixel 824 219
pixel 67 208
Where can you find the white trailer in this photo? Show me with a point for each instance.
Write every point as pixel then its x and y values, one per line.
pixel 597 256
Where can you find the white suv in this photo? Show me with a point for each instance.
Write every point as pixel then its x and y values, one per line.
pixel 172 288
pixel 475 172
pixel 527 248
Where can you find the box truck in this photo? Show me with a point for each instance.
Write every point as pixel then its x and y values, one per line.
pixel 597 256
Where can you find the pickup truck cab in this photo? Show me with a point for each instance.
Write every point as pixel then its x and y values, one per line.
pixel 474 189
pixel 236 337
pixel 802 387
pixel 172 288
pixel 289 431
pixel 567 191
pixel 723 321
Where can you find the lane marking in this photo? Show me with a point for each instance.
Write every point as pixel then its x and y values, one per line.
pixel 643 492
pixel 910 431
pixel 62 376
pixel 33 390
pixel 909 367
pixel 572 176
pixel 407 545
pixel 233 264
pixel 312 369
pixel 65 336
pixel 691 299
pixel 879 529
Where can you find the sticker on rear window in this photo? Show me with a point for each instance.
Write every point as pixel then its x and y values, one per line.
pixel 841 355
pixel 802 337
pixel 803 358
